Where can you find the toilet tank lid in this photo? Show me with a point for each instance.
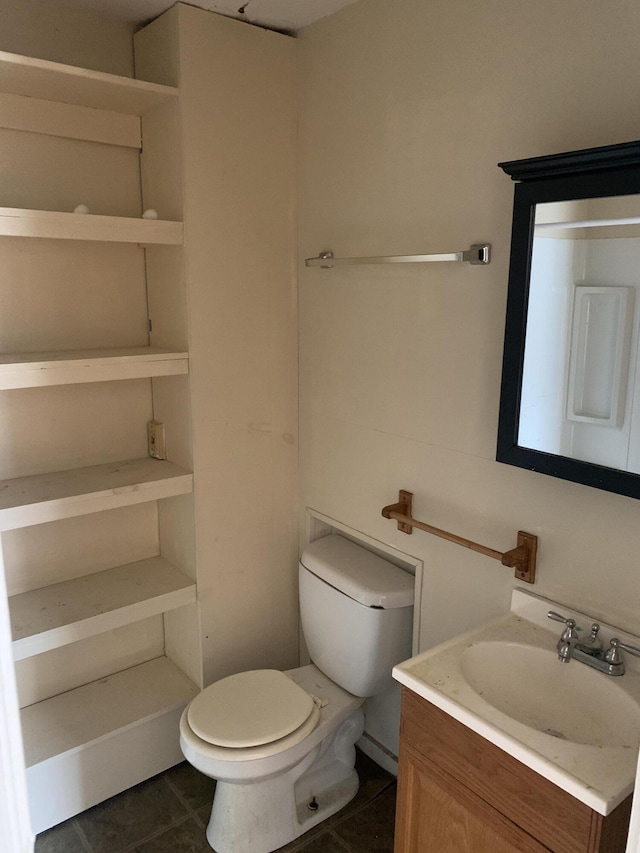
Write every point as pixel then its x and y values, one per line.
pixel 358 573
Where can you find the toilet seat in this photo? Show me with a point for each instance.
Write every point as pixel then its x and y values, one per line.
pixel 250 709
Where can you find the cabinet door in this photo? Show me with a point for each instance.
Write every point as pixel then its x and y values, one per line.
pixel 436 814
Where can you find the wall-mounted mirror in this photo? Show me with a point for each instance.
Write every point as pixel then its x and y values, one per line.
pixel 570 401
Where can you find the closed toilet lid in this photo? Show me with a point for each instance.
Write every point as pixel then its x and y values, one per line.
pixel 249 709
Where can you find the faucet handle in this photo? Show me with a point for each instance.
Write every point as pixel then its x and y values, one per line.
pixel 570 631
pixel 614 656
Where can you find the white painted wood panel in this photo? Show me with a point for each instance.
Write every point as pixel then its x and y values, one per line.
pixel 49 429
pixel 46 497
pixel 69 121
pixel 56 174
pixel 63 613
pixel 161 177
pixel 51 673
pixel 74 547
pixel 52 81
pixel 73 720
pixel 243 405
pixel 182 641
pixel 166 297
pixel 161 160
pixel 93 295
pixel 31 370
pixel 15 828
pixel 20 222
pixel 66 785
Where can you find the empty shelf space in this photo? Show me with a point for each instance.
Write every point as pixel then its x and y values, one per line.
pixel 31 370
pixel 79 718
pixel 50 617
pixel 56 225
pixel 52 81
pixel 40 498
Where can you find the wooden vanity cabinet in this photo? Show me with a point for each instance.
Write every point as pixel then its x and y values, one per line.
pixel 458 793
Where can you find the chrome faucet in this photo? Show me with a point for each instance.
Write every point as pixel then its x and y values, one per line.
pixel 590 651
pixel 568 638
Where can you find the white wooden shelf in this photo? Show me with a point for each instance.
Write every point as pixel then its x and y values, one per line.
pixel 33 370
pixel 90 743
pixel 52 224
pixel 40 498
pixel 53 616
pixel 52 81
pixel 78 718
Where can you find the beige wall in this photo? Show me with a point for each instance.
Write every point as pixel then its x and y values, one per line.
pixel 47 30
pixel 406 108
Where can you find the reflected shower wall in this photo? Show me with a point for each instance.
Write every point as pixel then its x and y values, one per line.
pixel 581 383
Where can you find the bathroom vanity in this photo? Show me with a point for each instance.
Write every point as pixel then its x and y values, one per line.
pixel 505 749
pixel 458 793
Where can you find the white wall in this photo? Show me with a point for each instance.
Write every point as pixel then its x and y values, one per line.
pixel 238 140
pixel 543 402
pixel 405 110
pixel 615 262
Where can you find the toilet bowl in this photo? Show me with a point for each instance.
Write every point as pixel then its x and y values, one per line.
pixel 278 789
pixel 281 745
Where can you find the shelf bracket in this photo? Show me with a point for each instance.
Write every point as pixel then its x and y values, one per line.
pixel 522 558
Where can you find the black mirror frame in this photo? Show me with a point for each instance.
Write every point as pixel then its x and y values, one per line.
pixel 613 170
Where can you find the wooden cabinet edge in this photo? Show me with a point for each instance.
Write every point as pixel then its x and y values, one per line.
pixel 585 831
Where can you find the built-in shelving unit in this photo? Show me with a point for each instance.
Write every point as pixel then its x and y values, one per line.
pixel 50 617
pixel 41 498
pixel 66 84
pixel 17 222
pixel 96 724
pixel 101 708
pixel 32 370
pixel 89 742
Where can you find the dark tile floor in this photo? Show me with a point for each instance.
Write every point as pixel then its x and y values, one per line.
pixel 169 814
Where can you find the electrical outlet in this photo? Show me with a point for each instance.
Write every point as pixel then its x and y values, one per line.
pixel 156 440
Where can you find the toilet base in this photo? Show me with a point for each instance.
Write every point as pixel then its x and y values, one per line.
pixel 261 817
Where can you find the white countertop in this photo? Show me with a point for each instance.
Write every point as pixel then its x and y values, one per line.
pixel 601 776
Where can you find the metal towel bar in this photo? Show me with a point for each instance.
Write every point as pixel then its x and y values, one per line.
pixel 479 253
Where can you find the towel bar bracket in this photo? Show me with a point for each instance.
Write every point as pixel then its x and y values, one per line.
pixel 478 254
pixel 404 508
pixel 522 558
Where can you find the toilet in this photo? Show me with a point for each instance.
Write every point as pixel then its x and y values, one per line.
pixel 281 745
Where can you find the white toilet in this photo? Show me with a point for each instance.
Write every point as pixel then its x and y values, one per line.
pixel 281 745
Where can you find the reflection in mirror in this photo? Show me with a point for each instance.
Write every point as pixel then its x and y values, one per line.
pixel 580 393
pixel 570 396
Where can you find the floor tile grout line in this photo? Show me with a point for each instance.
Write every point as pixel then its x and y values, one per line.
pixel 80 833
pixel 131 847
pixel 343 844
pixel 182 799
pixel 364 805
pixel 154 835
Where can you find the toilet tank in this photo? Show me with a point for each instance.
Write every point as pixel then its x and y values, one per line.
pixel 357 613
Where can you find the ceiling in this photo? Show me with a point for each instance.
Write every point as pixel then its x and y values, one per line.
pixel 284 15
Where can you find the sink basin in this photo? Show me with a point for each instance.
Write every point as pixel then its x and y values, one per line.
pixel 576 727
pixel 567 701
